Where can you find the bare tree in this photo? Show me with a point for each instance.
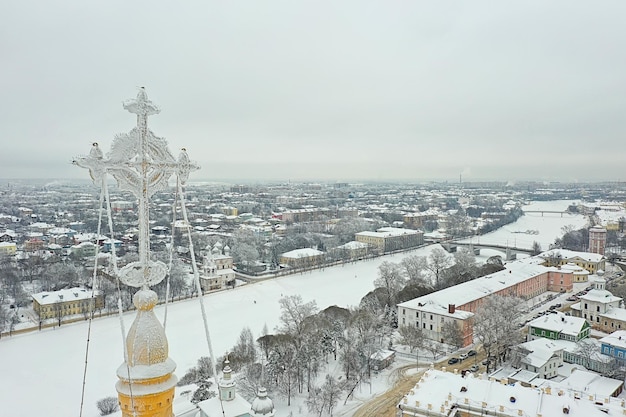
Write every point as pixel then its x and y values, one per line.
pixel 433 347
pixel 331 391
pixel 244 352
pixel 391 280
pixel 293 312
pixel 536 249
pixel 411 336
pixel 451 333
pixel 108 405
pixel 495 325
pixel 414 267
pixel 438 261
pixel 586 349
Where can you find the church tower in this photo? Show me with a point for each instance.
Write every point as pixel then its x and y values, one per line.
pixel 226 384
pixel 146 378
pixel 142 164
pixel 597 240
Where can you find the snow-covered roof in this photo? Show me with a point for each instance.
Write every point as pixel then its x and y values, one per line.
pixel 444 390
pixel 236 407
pixel 302 253
pixel 590 382
pixel 538 357
pixel 476 289
pixel 560 323
pixel 570 254
pixel 352 245
pixel 62 296
pixel 616 339
pixel 600 296
pixel 615 313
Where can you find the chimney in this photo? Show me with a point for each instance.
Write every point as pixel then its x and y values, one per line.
pixel 451 308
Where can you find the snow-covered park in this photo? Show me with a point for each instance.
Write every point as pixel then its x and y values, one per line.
pixel 42 371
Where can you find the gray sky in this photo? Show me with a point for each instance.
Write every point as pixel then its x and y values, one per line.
pixel 322 90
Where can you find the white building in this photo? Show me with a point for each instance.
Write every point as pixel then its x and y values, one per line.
pixel 440 393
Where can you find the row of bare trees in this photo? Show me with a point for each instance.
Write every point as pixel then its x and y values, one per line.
pixel 288 361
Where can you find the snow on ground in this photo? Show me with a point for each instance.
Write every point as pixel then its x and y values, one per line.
pixel 42 371
pixel 47 365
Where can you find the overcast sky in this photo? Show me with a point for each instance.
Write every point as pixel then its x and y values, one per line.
pixel 322 90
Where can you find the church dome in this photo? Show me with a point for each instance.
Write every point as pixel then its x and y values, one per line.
pixel 262 405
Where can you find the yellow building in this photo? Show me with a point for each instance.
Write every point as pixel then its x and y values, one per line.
pixel 302 258
pixel 67 302
pixel 592 262
pixel 388 239
pixel 8 248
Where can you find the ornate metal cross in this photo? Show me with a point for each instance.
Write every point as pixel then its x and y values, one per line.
pixel 140 163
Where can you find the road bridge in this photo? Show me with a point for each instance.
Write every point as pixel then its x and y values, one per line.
pixel 546 212
pixel 510 251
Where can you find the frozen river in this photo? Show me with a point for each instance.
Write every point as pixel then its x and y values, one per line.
pixel 535 227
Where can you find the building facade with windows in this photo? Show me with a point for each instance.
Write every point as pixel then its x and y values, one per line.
pixel 524 279
pixel 389 239
pixel 558 326
pixel 601 308
pixel 67 302
pixel 592 262
pixel 614 345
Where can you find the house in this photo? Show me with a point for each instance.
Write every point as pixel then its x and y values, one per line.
pixel 585 353
pixel 544 362
pixel 302 258
pixel 382 358
pixel 590 382
pixel 388 239
pixel 351 250
pixel 66 302
pixel 558 326
pixel 8 248
pixel 601 308
pixel 592 262
pixel 84 250
pixel 614 345
pixel 441 393
pixel 430 312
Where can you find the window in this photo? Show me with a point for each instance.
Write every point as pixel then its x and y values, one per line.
pixel 403 322
pixel 431 316
pixel 598 308
pixel 431 327
pixel 423 325
pixel 403 311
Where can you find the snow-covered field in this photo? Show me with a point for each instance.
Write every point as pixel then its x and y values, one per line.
pixel 41 372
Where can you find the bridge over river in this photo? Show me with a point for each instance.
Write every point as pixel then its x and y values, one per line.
pixel 510 251
pixel 561 213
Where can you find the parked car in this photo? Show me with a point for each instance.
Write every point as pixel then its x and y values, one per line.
pixel 463 356
pixel 471 353
pixel 452 361
pixel 474 368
